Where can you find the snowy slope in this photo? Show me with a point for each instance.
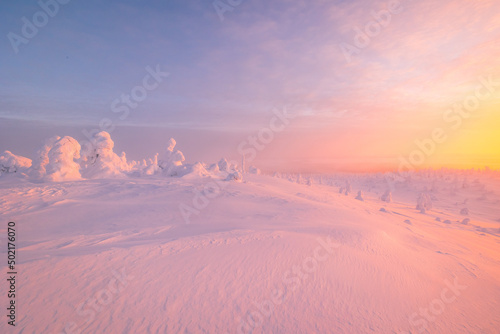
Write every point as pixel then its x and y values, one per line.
pixel 262 256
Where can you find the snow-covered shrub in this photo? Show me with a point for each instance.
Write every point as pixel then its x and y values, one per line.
pixel 193 170
pixel 387 197
pixel 170 161
pixel 253 170
pixel 11 163
pixel 223 165
pixel 233 166
pixel 213 168
pixel 424 203
pixel 235 176
pixel 359 197
pixel 348 188
pixel 62 165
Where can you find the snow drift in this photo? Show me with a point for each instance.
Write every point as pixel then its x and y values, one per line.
pixel 286 254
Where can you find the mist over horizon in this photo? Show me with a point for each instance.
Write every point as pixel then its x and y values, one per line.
pixel 209 145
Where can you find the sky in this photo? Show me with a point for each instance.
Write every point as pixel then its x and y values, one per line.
pixel 365 85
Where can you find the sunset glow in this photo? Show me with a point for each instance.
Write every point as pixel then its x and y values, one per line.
pixel 367 79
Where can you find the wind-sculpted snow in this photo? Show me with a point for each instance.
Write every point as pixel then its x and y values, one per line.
pixel 266 255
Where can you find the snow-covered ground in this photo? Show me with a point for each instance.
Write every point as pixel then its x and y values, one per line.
pixel 106 245
pixel 267 255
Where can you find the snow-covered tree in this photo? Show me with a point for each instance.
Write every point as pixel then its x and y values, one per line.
pixel 387 196
pixel 253 170
pixel 11 163
pixel 171 160
pixel 38 168
pixel 359 197
pixel 223 165
pixel 62 165
pixel 424 203
pixel 98 159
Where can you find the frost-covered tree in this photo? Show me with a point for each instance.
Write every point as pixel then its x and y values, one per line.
pixel 98 159
pixel 253 170
pixel 41 160
pixel 11 163
pixel 359 197
pixel 223 165
pixel 424 203
pixel 62 165
pixel 348 188
pixel 235 176
pixel 171 160
pixel 387 196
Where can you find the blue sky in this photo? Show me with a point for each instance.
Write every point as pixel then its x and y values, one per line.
pixel 228 75
pixel 93 51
